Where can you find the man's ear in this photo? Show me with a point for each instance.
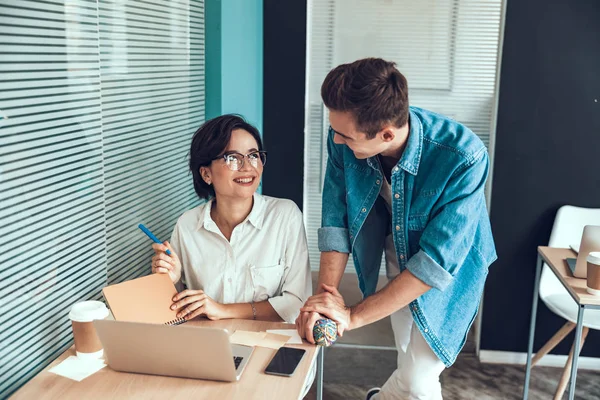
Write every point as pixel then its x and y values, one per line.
pixel 387 135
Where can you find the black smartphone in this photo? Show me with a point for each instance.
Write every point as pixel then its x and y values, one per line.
pixel 285 361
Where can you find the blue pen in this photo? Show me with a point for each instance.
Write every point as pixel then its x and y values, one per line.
pixel 151 236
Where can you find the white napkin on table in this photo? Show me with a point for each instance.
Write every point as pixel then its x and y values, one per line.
pixel 78 369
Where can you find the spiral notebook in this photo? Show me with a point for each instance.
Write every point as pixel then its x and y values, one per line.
pixel 147 299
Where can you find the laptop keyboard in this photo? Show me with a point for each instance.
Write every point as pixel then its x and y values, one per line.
pixel 237 361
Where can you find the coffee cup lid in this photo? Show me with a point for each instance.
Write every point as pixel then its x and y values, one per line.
pixel 594 257
pixel 87 311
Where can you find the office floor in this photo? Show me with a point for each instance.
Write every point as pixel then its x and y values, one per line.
pixel 350 372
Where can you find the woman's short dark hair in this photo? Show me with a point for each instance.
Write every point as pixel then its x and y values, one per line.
pixel 209 142
pixel 372 90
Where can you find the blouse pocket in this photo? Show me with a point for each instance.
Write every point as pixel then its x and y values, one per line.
pixel 266 280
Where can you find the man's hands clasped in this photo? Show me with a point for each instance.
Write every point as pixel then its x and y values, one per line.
pixel 327 304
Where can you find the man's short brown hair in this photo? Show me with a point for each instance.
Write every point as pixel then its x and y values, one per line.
pixel 372 90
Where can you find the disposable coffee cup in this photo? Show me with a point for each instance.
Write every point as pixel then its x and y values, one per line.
pixel 82 315
pixel 593 273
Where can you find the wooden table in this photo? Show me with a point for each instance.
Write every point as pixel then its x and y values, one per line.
pixel 254 383
pixel 555 258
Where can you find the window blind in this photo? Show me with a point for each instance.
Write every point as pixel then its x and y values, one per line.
pixel 152 63
pixel 98 102
pixel 51 181
pixel 448 51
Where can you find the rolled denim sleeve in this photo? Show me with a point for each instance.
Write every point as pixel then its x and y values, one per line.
pixel 334 235
pixel 449 235
pixel 332 238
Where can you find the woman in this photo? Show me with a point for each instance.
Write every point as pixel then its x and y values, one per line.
pixel 240 254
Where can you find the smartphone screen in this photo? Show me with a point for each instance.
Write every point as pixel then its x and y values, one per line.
pixel 285 361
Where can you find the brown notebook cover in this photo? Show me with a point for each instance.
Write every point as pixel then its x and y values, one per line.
pixel 147 299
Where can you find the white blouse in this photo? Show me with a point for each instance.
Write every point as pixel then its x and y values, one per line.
pixel 266 259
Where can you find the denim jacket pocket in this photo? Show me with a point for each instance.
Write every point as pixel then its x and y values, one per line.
pixel 266 280
pixel 416 225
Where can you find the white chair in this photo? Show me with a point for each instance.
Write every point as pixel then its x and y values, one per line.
pixel 567 230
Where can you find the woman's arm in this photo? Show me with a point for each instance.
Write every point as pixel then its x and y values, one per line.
pixel 297 281
pixel 264 311
pixel 193 303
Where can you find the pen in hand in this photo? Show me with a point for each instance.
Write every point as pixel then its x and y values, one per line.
pixel 151 236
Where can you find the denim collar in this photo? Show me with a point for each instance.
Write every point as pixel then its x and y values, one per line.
pixel 411 157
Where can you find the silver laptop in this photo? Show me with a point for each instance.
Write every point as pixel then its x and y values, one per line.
pixel 590 241
pixel 181 351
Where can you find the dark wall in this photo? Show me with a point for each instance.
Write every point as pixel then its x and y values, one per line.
pixel 546 156
pixel 283 104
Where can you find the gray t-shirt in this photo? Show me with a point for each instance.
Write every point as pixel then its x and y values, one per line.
pixel 392 269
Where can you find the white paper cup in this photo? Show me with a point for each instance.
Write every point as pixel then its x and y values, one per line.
pixel 82 315
pixel 593 273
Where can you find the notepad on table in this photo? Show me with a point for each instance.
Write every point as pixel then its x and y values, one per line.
pixel 147 299
pixel 260 339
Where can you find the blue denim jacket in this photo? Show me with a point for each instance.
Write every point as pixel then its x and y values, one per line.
pixel 439 221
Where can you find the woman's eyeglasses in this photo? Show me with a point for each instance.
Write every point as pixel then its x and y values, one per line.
pixel 235 161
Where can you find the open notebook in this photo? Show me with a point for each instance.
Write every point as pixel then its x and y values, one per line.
pixel 147 299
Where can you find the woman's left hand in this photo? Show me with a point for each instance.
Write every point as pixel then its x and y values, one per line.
pixel 192 303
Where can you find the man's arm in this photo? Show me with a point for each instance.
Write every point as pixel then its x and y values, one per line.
pixel 334 241
pixel 453 222
pixel 332 267
pixel 397 294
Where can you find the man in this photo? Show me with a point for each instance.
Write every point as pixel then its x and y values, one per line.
pixel 410 183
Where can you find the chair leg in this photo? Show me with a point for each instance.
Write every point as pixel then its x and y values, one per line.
pixel 564 379
pixel 554 340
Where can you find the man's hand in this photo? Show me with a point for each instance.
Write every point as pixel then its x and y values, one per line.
pixel 330 304
pixel 305 323
pixel 332 268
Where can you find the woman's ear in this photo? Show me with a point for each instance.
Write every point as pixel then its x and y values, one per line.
pixel 205 174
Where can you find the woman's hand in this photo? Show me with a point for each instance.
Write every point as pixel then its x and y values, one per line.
pixel 165 264
pixel 192 303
